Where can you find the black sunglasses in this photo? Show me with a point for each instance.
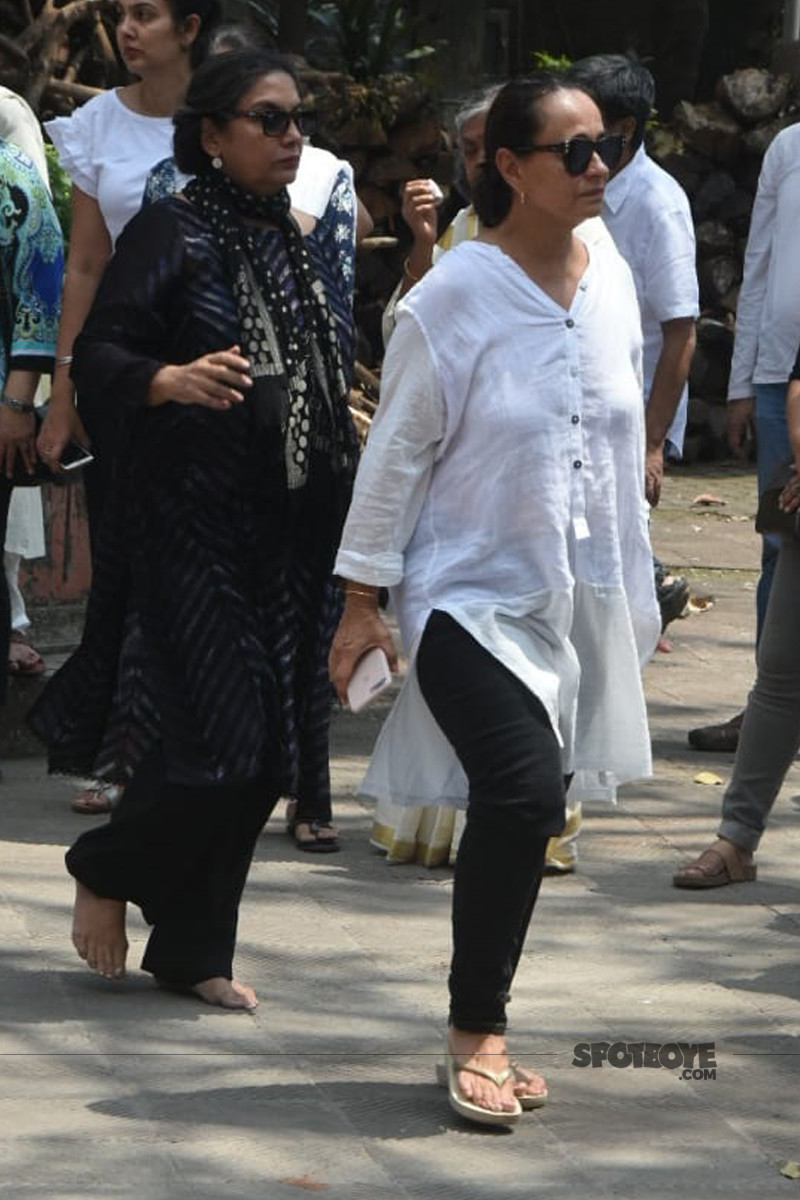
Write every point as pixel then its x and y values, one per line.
pixel 275 121
pixel 578 151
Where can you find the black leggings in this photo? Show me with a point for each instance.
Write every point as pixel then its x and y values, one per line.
pixel 507 747
pixel 182 854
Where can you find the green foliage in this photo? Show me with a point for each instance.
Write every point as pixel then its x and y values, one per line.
pixel 363 38
pixel 544 61
pixel 60 187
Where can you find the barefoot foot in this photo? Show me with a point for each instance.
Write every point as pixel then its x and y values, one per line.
pixel 487 1051
pixel 226 993
pixel 98 932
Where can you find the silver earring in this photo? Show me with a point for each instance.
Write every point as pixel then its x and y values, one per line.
pixel 522 197
pixel 216 162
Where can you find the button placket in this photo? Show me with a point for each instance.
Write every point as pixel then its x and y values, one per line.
pixel 575 446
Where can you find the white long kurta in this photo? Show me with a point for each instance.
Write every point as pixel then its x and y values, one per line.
pixel 503 484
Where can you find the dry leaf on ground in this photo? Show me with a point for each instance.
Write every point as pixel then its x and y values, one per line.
pixel 700 603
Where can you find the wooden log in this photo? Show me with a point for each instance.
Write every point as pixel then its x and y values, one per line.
pixel 14 51
pixel 79 92
pixel 379 243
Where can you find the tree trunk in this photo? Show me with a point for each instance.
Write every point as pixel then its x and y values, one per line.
pixel 292 24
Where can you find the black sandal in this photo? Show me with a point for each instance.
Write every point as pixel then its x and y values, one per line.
pixel 315 844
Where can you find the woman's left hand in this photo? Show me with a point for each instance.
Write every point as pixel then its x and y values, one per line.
pixel 360 628
pixel 790 496
pixel 17 437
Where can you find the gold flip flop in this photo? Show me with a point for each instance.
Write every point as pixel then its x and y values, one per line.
pixel 527 1102
pixel 466 1108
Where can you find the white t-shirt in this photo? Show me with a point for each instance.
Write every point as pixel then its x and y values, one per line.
pixel 107 150
pixel 649 217
pixel 310 192
pixel 768 313
pixel 503 483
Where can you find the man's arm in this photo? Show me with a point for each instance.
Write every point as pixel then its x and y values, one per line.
pixel 757 257
pixel 671 373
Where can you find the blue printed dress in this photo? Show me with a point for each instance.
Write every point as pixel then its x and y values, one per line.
pixel 31 266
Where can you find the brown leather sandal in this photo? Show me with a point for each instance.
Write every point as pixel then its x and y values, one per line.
pixel 717 866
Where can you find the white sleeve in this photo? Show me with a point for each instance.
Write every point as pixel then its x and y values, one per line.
pixel 672 291
pixel 756 273
pixel 395 470
pixel 74 139
pixel 389 318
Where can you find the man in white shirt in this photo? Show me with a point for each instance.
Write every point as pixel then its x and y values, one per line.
pixel 649 217
pixel 764 352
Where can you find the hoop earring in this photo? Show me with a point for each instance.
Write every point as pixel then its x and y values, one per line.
pixel 216 162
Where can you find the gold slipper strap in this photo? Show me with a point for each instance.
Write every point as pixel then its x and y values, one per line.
pixel 498 1078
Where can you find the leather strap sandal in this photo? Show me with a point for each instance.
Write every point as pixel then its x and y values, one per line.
pixel 718 866
pixel 97 799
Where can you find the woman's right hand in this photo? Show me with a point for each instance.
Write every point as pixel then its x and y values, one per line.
pixel 216 380
pixel 60 426
pixel 360 628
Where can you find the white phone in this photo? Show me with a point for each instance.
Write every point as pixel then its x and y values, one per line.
pixel 75 455
pixel 370 677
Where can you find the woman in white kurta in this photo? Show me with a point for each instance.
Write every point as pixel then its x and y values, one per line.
pixel 430 833
pixel 501 499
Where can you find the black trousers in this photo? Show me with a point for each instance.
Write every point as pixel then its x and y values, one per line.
pixel 511 757
pixel 182 854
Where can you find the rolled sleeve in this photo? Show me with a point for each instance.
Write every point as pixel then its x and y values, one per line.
pixel 754 284
pixel 671 272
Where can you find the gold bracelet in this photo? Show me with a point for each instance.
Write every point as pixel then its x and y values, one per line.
pixel 360 592
pixel 407 271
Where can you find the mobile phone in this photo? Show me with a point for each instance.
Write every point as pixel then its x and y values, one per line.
pixel 370 677
pixel 75 455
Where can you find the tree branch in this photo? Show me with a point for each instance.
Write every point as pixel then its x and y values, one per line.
pixel 52 20
pixel 14 51
pixel 71 91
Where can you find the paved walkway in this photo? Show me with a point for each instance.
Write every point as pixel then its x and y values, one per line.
pixel 113 1091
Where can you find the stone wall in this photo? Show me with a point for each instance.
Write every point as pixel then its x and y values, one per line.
pixel 715 151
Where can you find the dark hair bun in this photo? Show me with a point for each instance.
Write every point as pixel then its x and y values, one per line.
pixel 215 89
pixel 513 122
pixel 491 195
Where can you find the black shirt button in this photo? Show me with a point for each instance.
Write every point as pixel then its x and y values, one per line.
pixel 569 323
pixel 577 464
pixel 576 420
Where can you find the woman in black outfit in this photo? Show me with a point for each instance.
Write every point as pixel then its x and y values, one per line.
pixel 219 336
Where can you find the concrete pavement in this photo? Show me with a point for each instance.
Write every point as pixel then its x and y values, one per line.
pixel 111 1091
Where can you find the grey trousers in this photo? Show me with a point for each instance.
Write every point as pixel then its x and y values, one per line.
pixel 770 733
